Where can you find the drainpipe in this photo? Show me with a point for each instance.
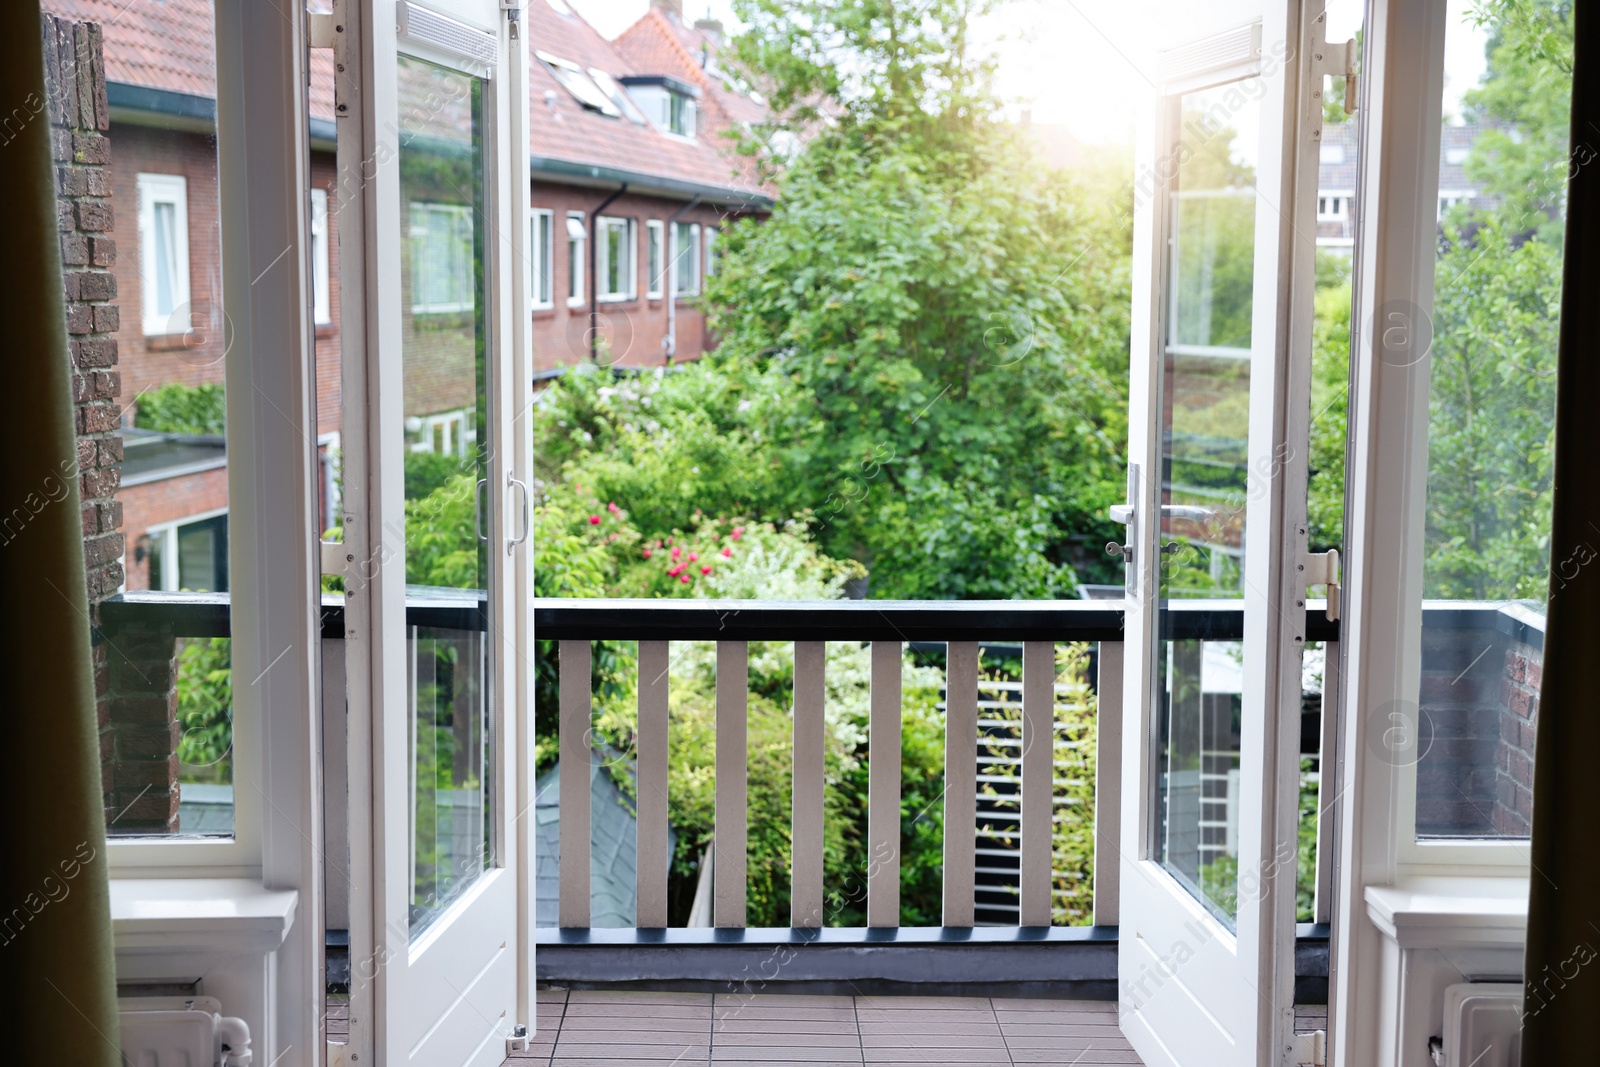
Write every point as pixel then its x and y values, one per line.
pixel 669 343
pixel 594 292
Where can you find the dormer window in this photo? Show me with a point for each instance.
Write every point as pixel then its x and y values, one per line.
pixel 668 102
pixel 618 95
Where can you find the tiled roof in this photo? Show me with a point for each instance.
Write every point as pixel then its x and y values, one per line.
pixel 168 45
pixel 563 129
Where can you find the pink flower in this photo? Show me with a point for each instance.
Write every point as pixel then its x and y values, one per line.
pixel 684 579
pixel 673 572
pixel 647 553
pixel 738 532
pixel 693 557
pixel 613 509
pixel 705 570
pixel 727 553
pixel 594 520
pixel 676 552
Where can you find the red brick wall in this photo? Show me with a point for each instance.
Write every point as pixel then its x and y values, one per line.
pixel 631 331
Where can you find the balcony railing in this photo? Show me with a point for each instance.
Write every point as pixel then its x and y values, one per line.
pixel 958 954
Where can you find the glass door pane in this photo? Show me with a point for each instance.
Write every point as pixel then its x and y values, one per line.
pixel 1205 485
pixel 444 334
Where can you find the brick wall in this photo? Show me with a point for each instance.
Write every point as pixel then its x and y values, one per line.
pixel 630 330
pixel 1480 701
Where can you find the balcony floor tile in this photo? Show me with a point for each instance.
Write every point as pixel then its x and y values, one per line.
pixel 645 1029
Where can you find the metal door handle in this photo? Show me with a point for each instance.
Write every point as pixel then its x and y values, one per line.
pixel 483 483
pixel 526 527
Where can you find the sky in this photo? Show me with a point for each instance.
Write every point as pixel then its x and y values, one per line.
pixel 1079 62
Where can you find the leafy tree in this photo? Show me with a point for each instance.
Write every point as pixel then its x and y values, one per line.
pixel 182 409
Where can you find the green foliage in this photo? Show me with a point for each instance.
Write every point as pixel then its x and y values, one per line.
pixel 205 708
pixel 183 409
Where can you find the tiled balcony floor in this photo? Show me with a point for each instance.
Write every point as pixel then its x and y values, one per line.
pixel 627 1029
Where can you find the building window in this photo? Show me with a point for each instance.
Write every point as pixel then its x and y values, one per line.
pixel 1333 207
pixel 1453 198
pixel 617 95
pixel 579 84
pixel 667 102
pixel 441 258
pixel 656 264
pixel 541 246
pixel 680 115
pixel 686 253
pixel 711 251
pixel 164 252
pixel 616 259
pixel 447 433
pixel 190 556
pixel 575 242
pixel 321 303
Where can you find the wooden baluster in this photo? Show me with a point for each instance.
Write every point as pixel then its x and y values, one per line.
pixel 650 869
pixel 1108 784
pixel 806 881
pixel 883 787
pixel 576 659
pixel 960 780
pixel 728 869
pixel 1038 780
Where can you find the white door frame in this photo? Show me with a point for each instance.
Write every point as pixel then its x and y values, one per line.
pixel 1191 991
pixel 465 982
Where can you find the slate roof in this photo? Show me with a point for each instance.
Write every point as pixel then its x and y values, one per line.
pixel 613 843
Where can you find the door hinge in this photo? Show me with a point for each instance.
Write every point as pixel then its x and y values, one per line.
pixel 1322 568
pixel 335 560
pixel 517 1039
pixel 1307 1050
pixel 1336 60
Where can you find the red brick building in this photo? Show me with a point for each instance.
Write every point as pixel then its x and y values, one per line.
pixel 632 179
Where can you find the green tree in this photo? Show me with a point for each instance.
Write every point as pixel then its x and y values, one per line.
pixel 182 409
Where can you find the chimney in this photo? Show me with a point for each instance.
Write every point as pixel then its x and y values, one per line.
pixel 711 28
pixel 672 8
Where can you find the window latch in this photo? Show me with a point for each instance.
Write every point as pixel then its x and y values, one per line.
pixel 335 561
pixel 1322 568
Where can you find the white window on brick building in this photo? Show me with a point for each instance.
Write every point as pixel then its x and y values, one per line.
pixel 190 555
pixel 541 272
pixel 441 258
pixel 164 253
pixel 576 237
pixel 656 258
pixel 321 301
pixel 1333 206
pixel 686 256
pixel 616 259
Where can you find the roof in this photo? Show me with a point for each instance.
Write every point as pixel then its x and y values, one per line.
pixel 577 139
pixel 168 46
pixel 613 847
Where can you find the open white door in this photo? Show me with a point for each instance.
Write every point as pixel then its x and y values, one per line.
pixel 433 204
pixel 1223 245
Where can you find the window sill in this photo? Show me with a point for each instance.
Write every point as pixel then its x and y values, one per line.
pixel 326 329
pixel 166 342
pixel 211 916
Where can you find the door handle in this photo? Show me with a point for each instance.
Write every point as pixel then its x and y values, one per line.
pixel 483 483
pixel 526 527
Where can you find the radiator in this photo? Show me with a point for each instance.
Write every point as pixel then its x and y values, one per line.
pixel 181 1032
pixel 1482 1025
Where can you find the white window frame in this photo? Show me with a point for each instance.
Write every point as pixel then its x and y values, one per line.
pixel 691 286
pixel 456 428
pixel 1449 198
pixel 456 211
pixel 577 295
pixel 604 226
pixel 168 532
pixel 321 302
pixel 1338 210
pixel 710 258
pixel 580 85
pixel 541 275
pixel 173 190
pixel 655 258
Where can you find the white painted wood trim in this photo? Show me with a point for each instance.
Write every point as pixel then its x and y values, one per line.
pixel 806 901
pixel 960 781
pixel 883 787
pixel 729 840
pixel 577 765
pixel 1108 784
pixel 650 868
pixel 1038 780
